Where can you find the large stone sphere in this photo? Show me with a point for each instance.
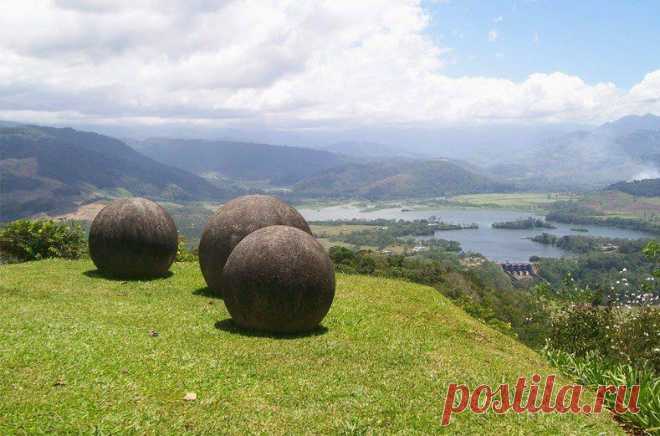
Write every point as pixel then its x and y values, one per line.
pixel 133 238
pixel 234 221
pixel 279 279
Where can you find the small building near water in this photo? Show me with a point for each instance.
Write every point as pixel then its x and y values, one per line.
pixel 520 271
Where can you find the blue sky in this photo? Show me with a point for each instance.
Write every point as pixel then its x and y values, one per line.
pixel 330 65
pixel 599 41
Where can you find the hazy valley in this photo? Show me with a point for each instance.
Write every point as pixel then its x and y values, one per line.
pixel 53 170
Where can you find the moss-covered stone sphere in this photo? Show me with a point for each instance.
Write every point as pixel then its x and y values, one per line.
pixel 133 238
pixel 279 279
pixel 232 222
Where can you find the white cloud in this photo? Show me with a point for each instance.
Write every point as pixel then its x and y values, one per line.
pixel 649 173
pixel 281 63
pixel 492 35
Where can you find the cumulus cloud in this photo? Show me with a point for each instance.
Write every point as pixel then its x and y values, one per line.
pixel 283 63
pixel 649 173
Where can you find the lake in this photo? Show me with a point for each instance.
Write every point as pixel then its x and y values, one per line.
pixel 500 245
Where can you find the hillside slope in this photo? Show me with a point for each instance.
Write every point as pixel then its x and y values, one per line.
pixel 407 179
pixel 76 348
pixel 47 169
pixel 279 165
pixel 644 188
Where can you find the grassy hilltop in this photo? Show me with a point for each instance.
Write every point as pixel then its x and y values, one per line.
pixel 77 355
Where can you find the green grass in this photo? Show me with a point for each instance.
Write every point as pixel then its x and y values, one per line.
pixel 518 200
pixel 324 233
pixel 623 205
pixel 76 356
pixel 329 230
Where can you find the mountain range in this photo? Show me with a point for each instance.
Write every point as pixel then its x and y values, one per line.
pixel 626 149
pixel 49 169
pixel 399 179
pixel 46 169
pixel 276 165
pixel 321 173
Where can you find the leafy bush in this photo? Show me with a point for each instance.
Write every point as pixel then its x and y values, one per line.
pixel 26 240
pixel 617 344
pixel 627 335
pixel 484 313
pixel 612 276
pixel 183 253
pixel 652 253
pixel 594 370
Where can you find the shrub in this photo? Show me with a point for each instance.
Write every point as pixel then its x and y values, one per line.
pixel 365 265
pixel 652 252
pixel 594 370
pixel 579 329
pixel 486 314
pixel 183 253
pixel 627 335
pixel 25 240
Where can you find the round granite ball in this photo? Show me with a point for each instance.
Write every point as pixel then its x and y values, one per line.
pixel 133 238
pixel 279 279
pixel 234 221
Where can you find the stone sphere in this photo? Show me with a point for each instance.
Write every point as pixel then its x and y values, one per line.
pixel 279 279
pixel 232 222
pixel 133 238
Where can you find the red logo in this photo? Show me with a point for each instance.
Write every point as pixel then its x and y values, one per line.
pixel 566 400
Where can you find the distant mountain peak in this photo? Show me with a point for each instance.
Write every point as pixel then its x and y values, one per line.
pixel 631 123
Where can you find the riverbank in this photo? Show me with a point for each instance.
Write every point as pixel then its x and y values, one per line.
pixel 500 245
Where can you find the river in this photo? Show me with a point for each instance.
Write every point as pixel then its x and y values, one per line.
pixel 499 245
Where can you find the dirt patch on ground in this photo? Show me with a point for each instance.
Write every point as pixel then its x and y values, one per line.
pixel 86 212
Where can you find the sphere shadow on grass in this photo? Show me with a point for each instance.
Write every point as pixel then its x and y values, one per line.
pixel 98 274
pixel 228 325
pixel 206 292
